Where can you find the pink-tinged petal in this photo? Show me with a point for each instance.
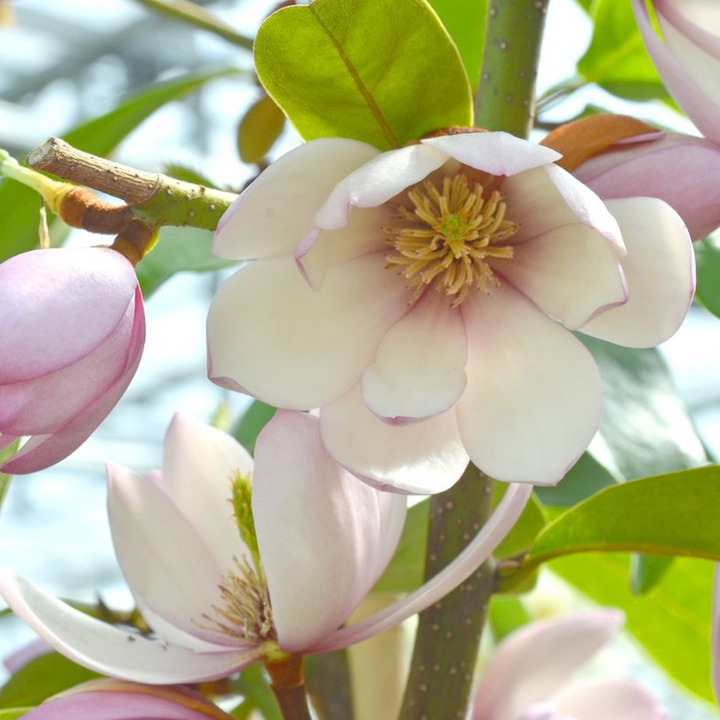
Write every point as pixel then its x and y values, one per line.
pixel 277 209
pixel 548 198
pixel 640 169
pixel 163 558
pixel 199 466
pixel 497 153
pixel 321 250
pixel 683 86
pixel 603 699
pixel 716 635
pixel 45 404
pixel 296 348
pixel 41 451
pixel 58 305
pixel 324 537
pixel 660 271
pixel 465 564
pixel 572 273
pixel 540 711
pixel 110 650
pixel 419 366
pixel 422 457
pixel 27 653
pixel 533 400
pixel 378 181
pixel 538 659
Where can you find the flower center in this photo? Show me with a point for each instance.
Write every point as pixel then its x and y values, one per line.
pixel 450 237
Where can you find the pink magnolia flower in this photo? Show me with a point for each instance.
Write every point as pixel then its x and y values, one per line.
pixel 530 676
pixel 221 591
pixel 422 297
pixel 73 330
pixel 688 56
pixel 120 700
pixel 682 170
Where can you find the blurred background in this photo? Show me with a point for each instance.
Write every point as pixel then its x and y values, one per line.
pixel 64 63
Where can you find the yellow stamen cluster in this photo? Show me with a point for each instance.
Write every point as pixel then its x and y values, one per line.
pixel 244 608
pixel 449 236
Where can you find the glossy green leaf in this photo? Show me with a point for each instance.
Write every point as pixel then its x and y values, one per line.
pixel 42 677
pixel 4 477
pixel 672 621
pixel 707 255
pixel 14 713
pixel 19 206
pixel 465 21
pixel 674 514
pixel 645 425
pixel 616 59
pixel 384 73
pixel 178 250
pixel 255 418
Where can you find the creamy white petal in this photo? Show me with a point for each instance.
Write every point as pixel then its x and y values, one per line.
pixel 324 537
pixel 419 366
pixel 269 333
pixel 276 211
pixel 660 272
pixel 422 457
pixel 533 400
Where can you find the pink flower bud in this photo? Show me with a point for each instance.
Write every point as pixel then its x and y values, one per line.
pixel 639 167
pixel 72 328
pixel 120 700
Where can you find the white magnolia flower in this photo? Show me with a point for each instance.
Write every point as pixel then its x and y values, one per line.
pixel 422 298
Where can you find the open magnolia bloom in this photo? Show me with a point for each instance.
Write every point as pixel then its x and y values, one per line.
pixel 223 585
pixel 422 298
pixel 688 56
pixel 530 676
pixel 73 330
pixel 120 700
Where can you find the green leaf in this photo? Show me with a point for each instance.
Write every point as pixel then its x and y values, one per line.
pixel 672 621
pixel 707 255
pixel 505 615
pixel 254 687
pixel 645 425
pixel 384 73
pixel 465 21
pixel 42 677
pixel 674 514
pixel 616 59
pixel 14 713
pixel 646 571
pixel 4 477
pixel 526 529
pixel 259 129
pixel 255 418
pixel 178 250
pixel 20 206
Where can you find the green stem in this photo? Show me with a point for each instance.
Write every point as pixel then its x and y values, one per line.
pixel 288 685
pixel 190 13
pixel 505 99
pixel 448 633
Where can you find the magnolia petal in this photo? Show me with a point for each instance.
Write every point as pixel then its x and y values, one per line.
pixel 346 527
pixel 109 650
pixel 274 213
pixel 27 653
pixel 603 699
pixel 199 465
pixel 378 181
pixel 548 198
pixel 684 88
pixel 321 250
pixel 45 404
pixel 538 659
pixel 660 272
pixel 465 564
pixel 497 153
pixel 41 451
pixel 296 348
pixel 572 273
pixel 58 305
pixel 423 457
pixel 534 399
pixel 419 365
pixel 162 556
pixel 716 635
